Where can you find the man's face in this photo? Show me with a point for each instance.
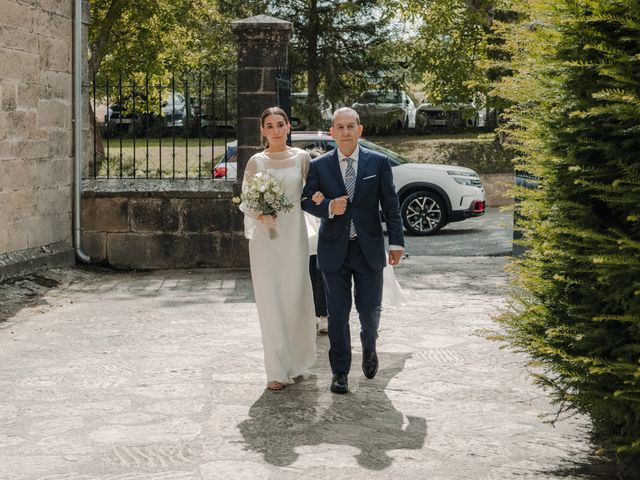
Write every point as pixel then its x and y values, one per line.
pixel 346 132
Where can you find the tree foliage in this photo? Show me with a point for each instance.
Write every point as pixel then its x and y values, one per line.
pixel 575 122
pixel 161 36
pixel 340 47
pixel 448 43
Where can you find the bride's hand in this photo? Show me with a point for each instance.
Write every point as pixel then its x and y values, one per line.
pixel 267 220
pixel 317 198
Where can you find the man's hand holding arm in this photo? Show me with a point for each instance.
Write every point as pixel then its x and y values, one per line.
pixel 338 206
pixel 311 187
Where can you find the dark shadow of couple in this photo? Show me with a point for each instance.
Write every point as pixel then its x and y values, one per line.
pixel 306 414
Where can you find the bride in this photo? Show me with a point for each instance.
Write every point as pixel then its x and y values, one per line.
pixel 279 263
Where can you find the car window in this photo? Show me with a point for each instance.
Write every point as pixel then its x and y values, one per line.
pixel 367 98
pixel 393 98
pixel 381 97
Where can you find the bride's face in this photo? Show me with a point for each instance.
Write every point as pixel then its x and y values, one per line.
pixel 275 129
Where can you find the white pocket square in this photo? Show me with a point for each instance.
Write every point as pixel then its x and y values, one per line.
pixel 370 176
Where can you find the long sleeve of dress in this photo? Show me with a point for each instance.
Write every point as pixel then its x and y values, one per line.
pixel 250 216
pixel 312 223
pixel 304 164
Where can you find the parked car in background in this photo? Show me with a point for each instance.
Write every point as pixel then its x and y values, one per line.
pixel 431 195
pixel 178 111
pixel 451 114
pixel 387 110
pixel 523 179
pixel 299 112
pixel 127 116
pixel 118 119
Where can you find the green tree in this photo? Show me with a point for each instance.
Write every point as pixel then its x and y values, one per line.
pixel 339 47
pixel 157 37
pixel 448 42
pixel 575 122
pixel 136 38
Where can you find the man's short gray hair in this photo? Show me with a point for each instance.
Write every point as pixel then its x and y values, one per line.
pixel 348 111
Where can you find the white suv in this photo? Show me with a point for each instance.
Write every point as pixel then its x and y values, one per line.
pixel 430 195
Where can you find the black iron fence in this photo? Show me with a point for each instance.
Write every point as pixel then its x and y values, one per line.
pixel 151 127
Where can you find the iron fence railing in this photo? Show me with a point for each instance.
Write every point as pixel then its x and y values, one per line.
pixel 148 127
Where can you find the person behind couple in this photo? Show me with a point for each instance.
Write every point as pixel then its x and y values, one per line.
pixel 317 282
pixel 355 183
pixel 279 262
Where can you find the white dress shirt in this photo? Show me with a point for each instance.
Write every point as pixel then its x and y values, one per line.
pixel 342 161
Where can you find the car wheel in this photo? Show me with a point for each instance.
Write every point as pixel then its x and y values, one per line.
pixel 423 213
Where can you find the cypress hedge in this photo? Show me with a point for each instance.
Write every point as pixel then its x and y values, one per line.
pixel 574 122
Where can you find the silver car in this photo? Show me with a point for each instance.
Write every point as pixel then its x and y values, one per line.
pixel 386 110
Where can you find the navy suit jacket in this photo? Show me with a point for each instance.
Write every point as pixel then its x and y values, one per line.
pixel 374 189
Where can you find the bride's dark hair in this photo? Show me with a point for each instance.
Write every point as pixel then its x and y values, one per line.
pixel 272 111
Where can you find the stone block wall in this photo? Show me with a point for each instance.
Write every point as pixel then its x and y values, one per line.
pixel 163 224
pixel 36 141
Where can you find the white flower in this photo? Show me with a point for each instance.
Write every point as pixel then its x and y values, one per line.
pixel 264 193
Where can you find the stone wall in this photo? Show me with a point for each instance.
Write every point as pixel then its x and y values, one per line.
pixel 162 224
pixel 36 162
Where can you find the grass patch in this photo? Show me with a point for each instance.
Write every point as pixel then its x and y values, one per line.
pixel 474 150
pixel 160 157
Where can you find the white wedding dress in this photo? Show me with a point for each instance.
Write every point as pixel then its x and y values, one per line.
pixel 280 271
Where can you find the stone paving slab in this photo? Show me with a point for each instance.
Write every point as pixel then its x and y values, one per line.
pixel 159 376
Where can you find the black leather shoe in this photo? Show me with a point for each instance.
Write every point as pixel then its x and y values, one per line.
pixel 340 384
pixel 369 364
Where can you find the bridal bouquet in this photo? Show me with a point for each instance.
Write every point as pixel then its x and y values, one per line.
pixel 263 193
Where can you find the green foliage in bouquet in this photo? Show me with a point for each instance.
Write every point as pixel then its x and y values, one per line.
pixel 263 193
pixel 575 124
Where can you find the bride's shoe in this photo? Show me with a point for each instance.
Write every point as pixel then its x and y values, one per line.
pixel 274 386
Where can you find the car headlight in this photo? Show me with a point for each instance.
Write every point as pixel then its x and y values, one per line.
pixel 465 178
pixel 465 181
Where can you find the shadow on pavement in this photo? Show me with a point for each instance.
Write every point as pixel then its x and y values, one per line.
pixel 451 232
pixel 305 414
pixel 23 292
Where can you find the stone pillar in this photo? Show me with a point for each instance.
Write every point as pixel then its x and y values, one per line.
pixel 262 49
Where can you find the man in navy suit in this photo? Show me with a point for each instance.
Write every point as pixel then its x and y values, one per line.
pixel 355 182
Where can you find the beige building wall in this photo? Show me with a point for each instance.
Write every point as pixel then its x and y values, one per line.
pixel 36 140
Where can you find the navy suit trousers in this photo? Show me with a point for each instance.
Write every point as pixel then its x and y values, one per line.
pixel 368 298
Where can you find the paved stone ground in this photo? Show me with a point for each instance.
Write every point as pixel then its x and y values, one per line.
pixel 159 376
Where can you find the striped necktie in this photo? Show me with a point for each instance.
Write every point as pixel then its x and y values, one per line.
pixel 350 183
